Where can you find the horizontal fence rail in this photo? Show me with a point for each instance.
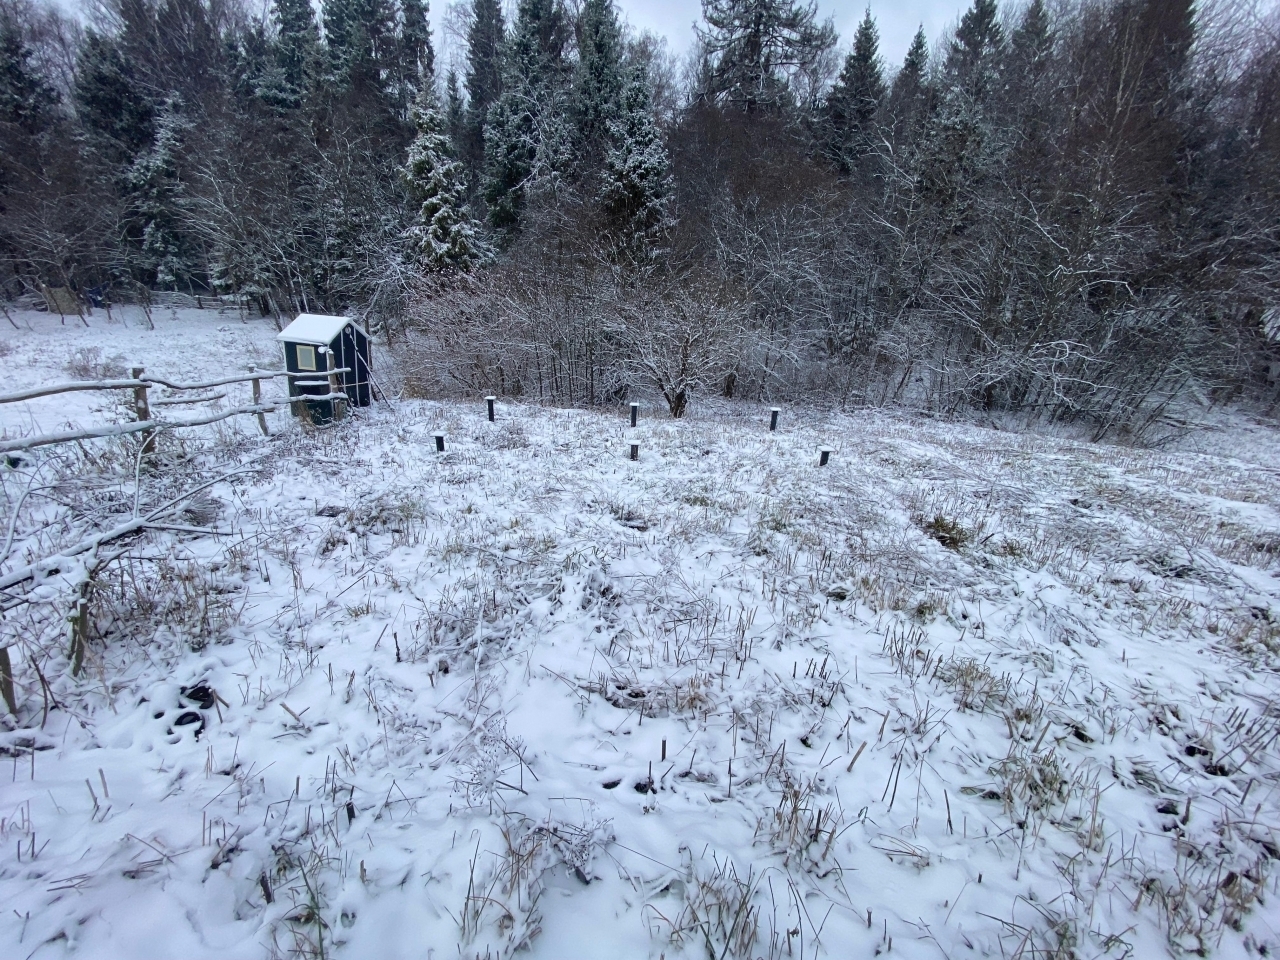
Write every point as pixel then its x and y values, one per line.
pixel 139 383
pixel 75 386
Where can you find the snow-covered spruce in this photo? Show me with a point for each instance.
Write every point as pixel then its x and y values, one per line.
pixel 637 175
pixel 442 235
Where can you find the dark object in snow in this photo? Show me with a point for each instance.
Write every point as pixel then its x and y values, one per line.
pixel 489 401
pixel 824 456
pixel 610 784
pixel 635 451
pixel 317 344
pixel 773 418
pixel 198 693
pixel 330 511
pixel 439 442
pixel 635 412
pixel 577 872
pixel 191 718
pixel 645 786
pixel 13 461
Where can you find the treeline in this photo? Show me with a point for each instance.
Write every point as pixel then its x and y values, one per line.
pixel 1070 211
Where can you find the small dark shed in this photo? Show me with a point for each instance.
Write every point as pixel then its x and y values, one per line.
pixel 317 344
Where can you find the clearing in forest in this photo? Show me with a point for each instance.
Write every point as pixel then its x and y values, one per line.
pixel 962 690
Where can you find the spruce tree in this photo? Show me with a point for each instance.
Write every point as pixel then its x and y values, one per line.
pixel 598 79
pixel 510 151
pixel 915 65
pixel 442 236
pixel 255 72
pixel 753 47
pixel 1028 60
pixel 297 45
pixel 112 104
pixel 362 44
pixel 636 196
pixel 416 57
pixel 484 76
pixel 960 147
pixel 526 139
pixel 156 196
pixel 974 57
pixel 341 20
pixel 26 99
pixel 851 105
pixel 1032 39
pixel 908 98
pixel 538 41
pixel 455 116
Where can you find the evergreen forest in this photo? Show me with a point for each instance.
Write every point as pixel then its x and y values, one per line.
pixel 1065 212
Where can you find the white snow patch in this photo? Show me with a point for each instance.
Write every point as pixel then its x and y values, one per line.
pixel 959 689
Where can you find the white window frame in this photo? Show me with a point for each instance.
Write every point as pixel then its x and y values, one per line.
pixel 306 357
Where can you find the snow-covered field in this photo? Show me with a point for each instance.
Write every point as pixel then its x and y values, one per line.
pixel 962 692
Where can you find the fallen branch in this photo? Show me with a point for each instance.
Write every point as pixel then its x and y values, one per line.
pixel 43 568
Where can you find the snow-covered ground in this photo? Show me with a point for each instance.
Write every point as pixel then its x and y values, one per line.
pixel 961 692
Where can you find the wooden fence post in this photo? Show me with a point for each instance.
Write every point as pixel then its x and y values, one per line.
pixel 142 409
pixel 489 401
pixel 6 681
pixel 80 629
pixel 635 412
pixel 339 406
pixel 257 401
pixel 773 418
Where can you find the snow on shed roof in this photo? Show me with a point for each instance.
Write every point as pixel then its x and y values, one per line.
pixel 316 328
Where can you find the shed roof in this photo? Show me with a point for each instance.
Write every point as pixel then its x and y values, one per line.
pixel 316 328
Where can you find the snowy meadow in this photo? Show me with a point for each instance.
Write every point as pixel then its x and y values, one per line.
pixel 961 692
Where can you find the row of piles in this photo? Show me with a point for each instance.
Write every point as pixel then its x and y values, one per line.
pixel 824 453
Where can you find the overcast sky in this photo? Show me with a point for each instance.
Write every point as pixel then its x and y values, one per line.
pixel 898 20
pixel 674 19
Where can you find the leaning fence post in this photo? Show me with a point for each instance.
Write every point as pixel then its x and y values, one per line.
pixel 6 681
pixel 339 406
pixel 142 409
pixel 489 401
pixel 257 402
pixel 635 411
pixel 79 629
pixel 773 418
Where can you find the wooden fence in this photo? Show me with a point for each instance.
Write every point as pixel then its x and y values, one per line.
pixel 148 425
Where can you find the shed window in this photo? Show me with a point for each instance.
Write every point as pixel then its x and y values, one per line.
pixel 306 357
